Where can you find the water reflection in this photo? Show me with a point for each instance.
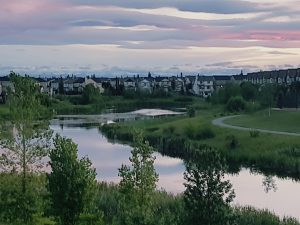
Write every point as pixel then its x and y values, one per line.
pixel 251 188
pixel 269 184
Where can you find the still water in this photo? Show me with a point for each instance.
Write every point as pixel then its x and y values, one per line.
pixel 282 195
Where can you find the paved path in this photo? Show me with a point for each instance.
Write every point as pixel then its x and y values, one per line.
pixel 220 122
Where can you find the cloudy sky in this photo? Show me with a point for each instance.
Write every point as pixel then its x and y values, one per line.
pixel 113 37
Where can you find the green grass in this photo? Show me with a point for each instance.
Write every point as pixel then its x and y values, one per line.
pixel 278 121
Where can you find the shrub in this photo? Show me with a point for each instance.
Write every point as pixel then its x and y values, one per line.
pixel 254 133
pixel 236 104
pixel 191 112
pixel 252 216
pixel 204 133
pixel 199 133
pixel 231 142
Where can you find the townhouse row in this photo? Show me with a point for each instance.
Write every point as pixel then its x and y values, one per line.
pixel 199 85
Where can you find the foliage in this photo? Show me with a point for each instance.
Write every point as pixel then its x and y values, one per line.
pixel 248 91
pixel 295 87
pixel 225 93
pixel 207 195
pixel 267 96
pixel 231 141
pixel 61 89
pixel 69 181
pixel 251 216
pixel 254 133
pixel 200 133
pixel 138 183
pixel 13 200
pixel 90 94
pixel 25 138
pixel 191 112
pixel 236 104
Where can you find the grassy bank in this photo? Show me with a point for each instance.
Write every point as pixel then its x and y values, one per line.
pixel 72 105
pixel 288 121
pixel 181 136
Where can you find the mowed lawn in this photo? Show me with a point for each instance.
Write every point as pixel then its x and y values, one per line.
pixel 288 121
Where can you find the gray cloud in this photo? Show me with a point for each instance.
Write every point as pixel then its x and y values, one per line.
pixel 211 6
pixel 281 53
pixel 219 64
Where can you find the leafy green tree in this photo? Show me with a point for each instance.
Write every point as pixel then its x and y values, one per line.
pixel 69 181
pixel 207 195
pixel 90 94
pixel 248 91
pixel 61 89
pixel 138 183
pixel 236 104
pixel 295 86
pixel 26 138
pixel 228 91
pixel 267 96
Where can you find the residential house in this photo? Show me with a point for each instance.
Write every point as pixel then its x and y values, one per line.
pixel 164 83
pixel 188 83
pixel 179 84
pixel 44 85
pixel 206 86
pixel 238 79
pixel 221 80
pixel 5 84
pixel 129 84
pixel 95 81
pixel 78 84
pixel 145 84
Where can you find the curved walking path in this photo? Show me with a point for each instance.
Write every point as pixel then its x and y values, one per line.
pixel 220 122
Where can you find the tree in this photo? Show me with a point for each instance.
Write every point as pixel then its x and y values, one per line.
pixel 295 86
pixel 138 182
pixel 207 196
pixel 61 89
pixel 248 91
pixel 229 90
pixel 26 137
pixel 69 181
pixel 90 94
pixel 236 104
pixel 267 96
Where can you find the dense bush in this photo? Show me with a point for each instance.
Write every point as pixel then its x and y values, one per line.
pixel 12 198
pixel 236 104
pixel 251 216
pixel 200 133
pixel 204 133
pixel 231 142
pixel 191 112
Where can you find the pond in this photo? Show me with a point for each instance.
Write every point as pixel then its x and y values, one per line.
pixel 273 193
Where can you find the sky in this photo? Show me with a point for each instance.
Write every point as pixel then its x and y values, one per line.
pixel 126 37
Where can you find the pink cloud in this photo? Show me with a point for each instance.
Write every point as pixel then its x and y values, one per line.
pixel 264 35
